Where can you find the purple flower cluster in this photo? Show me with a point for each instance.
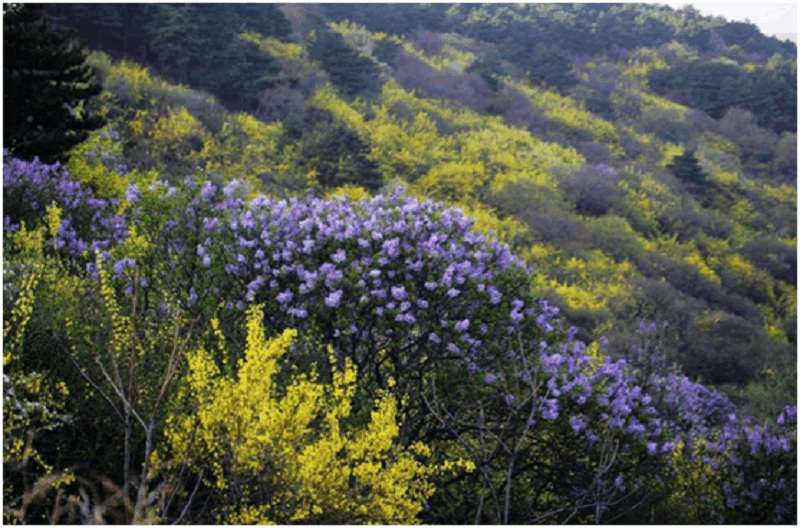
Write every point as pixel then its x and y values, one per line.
pixel 643 417
pixel 391 272
pixel 576 387
pixel 760 468
pixel 415 267
pixel 88 223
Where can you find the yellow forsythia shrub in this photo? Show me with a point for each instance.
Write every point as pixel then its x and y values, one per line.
pixel 354 193
pixel 176 132
pixel 94 163
pixel 282 456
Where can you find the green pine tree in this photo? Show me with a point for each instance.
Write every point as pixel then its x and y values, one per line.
pixel 351 73
pixel 687 169
pixel 46 85
pixel 338 157
pixel 551 66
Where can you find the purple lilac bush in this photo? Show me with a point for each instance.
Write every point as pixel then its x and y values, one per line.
pixel 391 275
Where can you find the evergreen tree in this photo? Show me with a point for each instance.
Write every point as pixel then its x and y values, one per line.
pixel 338 157
pixel 46 84
pixel 386 51
pixel 116 29
pixel 267 19
pixel 687 169
pixel 351 73
pixel 552 66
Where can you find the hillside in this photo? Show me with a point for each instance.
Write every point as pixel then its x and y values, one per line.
pixel 633 189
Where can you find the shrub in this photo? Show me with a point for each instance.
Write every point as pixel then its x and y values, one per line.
pixel 594 190
pixel 338 156
pixel 277 450
pixel 725 349
pixel 740 126
pixel 594 152
pixel 386 51
pixel 627 105
pixel 777 258
pixel 773 390
pixel 279 103
pixel 537 208
pixel 430 42
pixel 632 146
pixel 615 236
pixel 784 163
pixel 30 187
pixel 684 223
pixel 351 73
pixel 700 121
pixel 666 124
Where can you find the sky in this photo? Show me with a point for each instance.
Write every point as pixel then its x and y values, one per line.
pixel 772 19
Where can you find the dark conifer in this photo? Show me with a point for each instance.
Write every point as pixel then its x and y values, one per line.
pixel 46 85
pixel 339 157
pixel 685 167
pixel 351 73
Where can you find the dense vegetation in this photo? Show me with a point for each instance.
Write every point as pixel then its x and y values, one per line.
pixel 375 264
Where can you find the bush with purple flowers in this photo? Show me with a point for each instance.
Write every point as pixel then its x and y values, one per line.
pixel 397 285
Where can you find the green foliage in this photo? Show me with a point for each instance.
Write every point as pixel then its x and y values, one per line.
pixel 335 155
pixel 551 66
pixel 615 236
pixel 353 74
pixel 34 402
pixel 784 163
pixel 774 389
pixel 594 191
pixel 716 86
pixel 199 45
pixel 46 88
pixel 386 51
pixel 266 19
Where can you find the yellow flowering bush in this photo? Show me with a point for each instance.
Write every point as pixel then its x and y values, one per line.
pixel 284 454
pixel 504 230
pixel 668 152
pixel 354 193
pixel 245 149
pixel 175 132
pixel 275 47
pixel 449 58
pixel 595 284
pixel 33 402
pixel 92 164
pixel 453 181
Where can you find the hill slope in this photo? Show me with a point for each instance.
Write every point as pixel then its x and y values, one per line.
pixel 610 179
